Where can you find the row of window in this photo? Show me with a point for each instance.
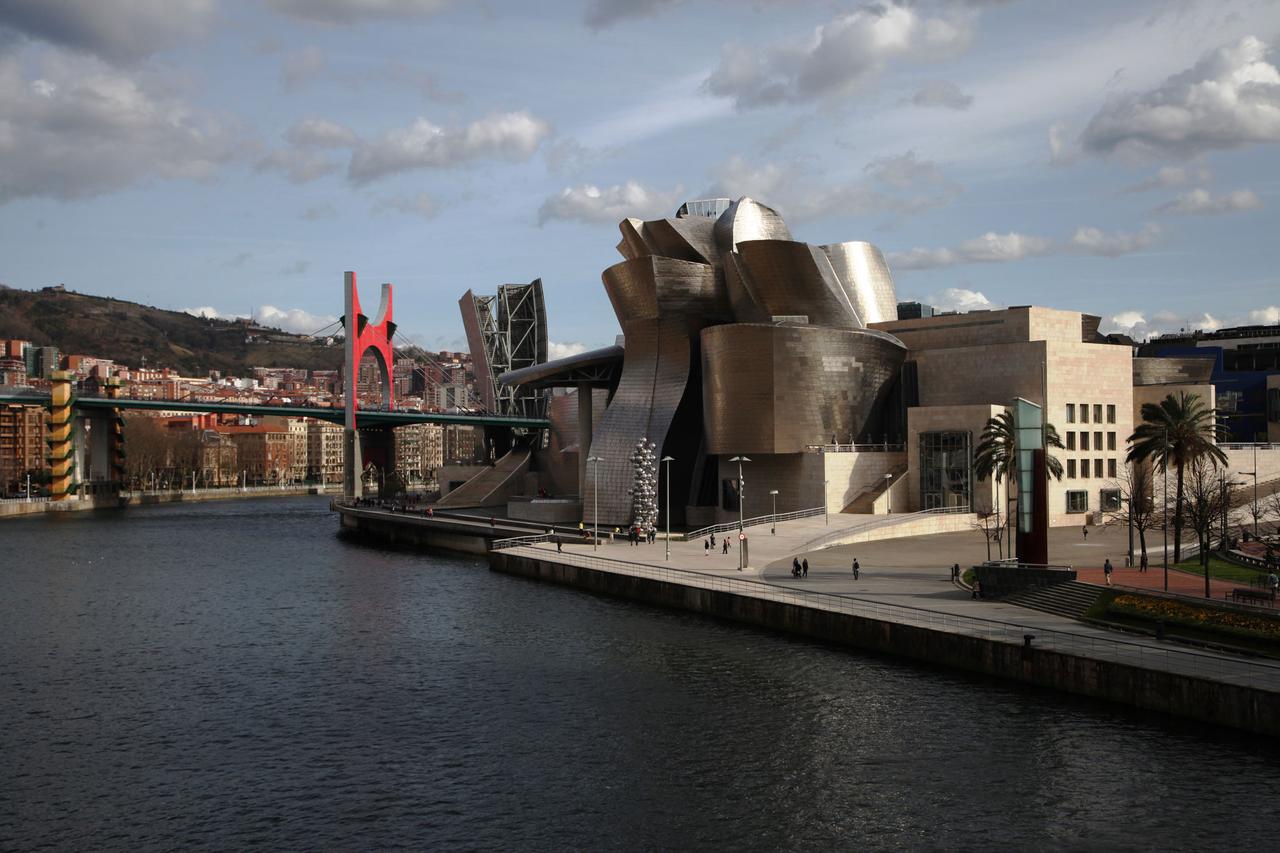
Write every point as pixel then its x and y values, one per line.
pixel 1083 409
pixel 1084 440
pixel 1108 500
pixel 1099 465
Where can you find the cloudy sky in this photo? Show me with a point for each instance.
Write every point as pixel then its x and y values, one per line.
pixel 237 155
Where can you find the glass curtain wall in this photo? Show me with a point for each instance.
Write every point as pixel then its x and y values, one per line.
pixel 946 469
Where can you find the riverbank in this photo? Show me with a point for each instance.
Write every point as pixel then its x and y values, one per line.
pixel 18 508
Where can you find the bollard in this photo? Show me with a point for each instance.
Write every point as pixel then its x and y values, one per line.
pixel 1026 640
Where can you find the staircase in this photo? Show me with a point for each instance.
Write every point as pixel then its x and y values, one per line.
pixel 864 503
pixel 492 486
pixel 1071 599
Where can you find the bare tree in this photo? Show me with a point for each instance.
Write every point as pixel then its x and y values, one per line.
pixel 991 530
pixel 1138 504
pixel 1206 503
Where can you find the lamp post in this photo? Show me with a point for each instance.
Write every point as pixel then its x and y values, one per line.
pixel 595 501
pixel 1253 510
pixel 742 498
pixel 888 481
pixel 826 507
pixel 667 460
pixel 773 525
pixel 1164 525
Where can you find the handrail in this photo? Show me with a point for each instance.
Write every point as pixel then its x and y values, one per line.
pixel 751 522
pixel 1186 661
pixel 836 447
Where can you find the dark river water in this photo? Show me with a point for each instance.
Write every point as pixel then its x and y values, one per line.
pixel 235 675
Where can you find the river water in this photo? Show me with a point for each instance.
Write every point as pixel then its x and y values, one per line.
pixel 235 675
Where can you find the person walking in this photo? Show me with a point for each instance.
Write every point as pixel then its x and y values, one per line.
pixel 1274 580
pixel 857 569
pixel 804 568
pixel 559 546
pixel 1085 528
pixel 1142 565
pixel 706 547
pixel 1106 571
pixel 795 567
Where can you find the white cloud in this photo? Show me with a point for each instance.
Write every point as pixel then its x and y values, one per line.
pixel 321 133
pixel 317 212
pixel 1229 99
pixel 118 31
pixel 421 204
pixel 558 350
pixel 1139 327
pixel 943 94
pixel 301 166
pixel 351 11
pixel 838 56
pixel 589 203
pixel 604 13
pixel 1094 241
pixel 513 136
pixel 993 248
pixel 1200 201
pixel 960 299
pixel 1061 150
pixel 77 128
pixel 1169 176
pixel 293 320
pixel 1268 316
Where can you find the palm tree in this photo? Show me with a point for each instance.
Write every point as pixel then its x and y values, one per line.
pixel 1176 431
pixel 997 453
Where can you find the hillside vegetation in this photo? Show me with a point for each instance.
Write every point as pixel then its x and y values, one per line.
pixel 137 335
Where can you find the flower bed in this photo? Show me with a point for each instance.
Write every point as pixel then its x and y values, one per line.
pixel 1195 616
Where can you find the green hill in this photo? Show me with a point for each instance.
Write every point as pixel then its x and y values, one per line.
pixel 137 335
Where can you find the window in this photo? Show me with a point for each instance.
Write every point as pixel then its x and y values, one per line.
pixel 1097 468
pixel 1084 469
pixel 1111 413
pixel 1109 500
pixel 1229 401
pixel 1084 413
pixel 1071 469
pixel 1071 441
pixel 1077 501
pixel 1097 440
pixel 1111 441
pixel 1071 413
pixel 945 469
pixel 1111 468
pixel 1084 441
pixel 1097 413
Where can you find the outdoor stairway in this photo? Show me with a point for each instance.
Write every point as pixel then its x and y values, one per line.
pixel 492 486
pixel 1071 599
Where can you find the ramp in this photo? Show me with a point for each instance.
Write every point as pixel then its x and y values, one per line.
pixel 492 486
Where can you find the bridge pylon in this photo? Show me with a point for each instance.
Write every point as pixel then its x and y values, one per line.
pixel 363 335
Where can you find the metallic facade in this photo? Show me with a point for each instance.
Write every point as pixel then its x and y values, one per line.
pixel 738 339
pixel 507 332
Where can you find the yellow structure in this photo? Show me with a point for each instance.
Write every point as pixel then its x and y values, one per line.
pixel 62 460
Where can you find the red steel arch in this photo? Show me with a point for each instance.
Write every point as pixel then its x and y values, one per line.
pixel 365 334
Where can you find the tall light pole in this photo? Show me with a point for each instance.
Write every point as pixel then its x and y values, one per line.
pixel 826 507
pixel 1165 524
pixel 667 460
pixel 595 501
pixel 1253 510
pixel 742 498
pixel 773 526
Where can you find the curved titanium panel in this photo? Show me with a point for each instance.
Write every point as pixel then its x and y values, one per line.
pixel 686 239
pixel 748 219
pixel 788 278
pixel 862 270
pixel 778 389
pixel 645 288
pixel 633 243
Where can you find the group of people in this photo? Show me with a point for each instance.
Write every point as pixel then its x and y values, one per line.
pixel 800 568
pixel 709 545
pixel 636 533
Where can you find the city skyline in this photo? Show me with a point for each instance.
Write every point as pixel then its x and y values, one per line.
pixel 237 157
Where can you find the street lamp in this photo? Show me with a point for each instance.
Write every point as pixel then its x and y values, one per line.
pixel 742 496
pixel 1164 524
pixel 773 527
pixel 888 481
pixel 1253 510
pixel 667 460
pixel 826 507
pixel 595 502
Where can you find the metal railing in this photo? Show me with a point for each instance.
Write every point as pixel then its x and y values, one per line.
pixel 1241 671
pixel 230 490
pixel 856 448
pixel 42 499
pixel 517 541
pixel 749 522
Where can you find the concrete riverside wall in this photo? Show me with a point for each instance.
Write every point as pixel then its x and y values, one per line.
pixel 416 531
pixel 21 508
pixel 1214 702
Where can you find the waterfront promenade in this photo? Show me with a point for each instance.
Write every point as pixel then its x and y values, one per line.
pixel 905 581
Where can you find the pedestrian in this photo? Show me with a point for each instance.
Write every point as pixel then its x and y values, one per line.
pixel 559 546
pixel 804 568
pixel 1086 532
pixel 976 592
pixel 955 572
pixel 795 567
pixel 857 569
pixel 1106 571
pixel 725 545
pixel 713 539
pixel 706 547
pixel 1274 580
pixel 1143 565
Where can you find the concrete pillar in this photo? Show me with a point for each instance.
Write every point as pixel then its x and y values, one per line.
pixel 584 436
pixel 352 464
pixel 61 437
